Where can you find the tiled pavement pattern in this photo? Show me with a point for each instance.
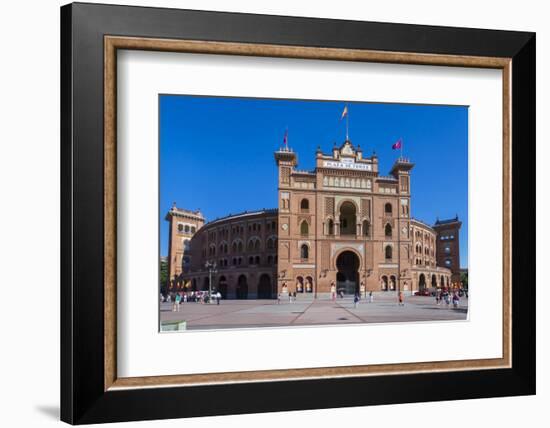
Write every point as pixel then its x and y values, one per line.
pixel 306 311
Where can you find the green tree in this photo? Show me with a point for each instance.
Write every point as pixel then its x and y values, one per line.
pixel 163 275
pixel 464 279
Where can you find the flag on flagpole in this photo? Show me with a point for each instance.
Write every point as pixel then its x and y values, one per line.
pixel 397 145
pixel 345 112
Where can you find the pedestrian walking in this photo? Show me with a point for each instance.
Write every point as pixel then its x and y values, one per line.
pixel 218 297
pixel 371 297
pixel 177 300
pixel 401 299
pixel 355 300
pixel 279 298
pixel 456 300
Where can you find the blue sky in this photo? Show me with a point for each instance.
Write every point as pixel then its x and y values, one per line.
pixel 216 153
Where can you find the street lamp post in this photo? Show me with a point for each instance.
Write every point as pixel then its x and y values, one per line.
pixel 211 266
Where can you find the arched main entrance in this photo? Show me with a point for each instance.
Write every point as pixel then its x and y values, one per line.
pixel 347 277
pixel 242 288
pixel 264 287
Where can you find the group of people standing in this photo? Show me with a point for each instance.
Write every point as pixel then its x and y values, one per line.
pixel 194 296
pixel 357 298
pixel 447 297
pixel 291 297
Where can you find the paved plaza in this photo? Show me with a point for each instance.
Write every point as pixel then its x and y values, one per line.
pixel 309 311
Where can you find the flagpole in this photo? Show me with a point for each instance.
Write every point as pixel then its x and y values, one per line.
pixel 401 148
pixel 347 122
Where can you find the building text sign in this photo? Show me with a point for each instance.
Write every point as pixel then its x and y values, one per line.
pixel 347 164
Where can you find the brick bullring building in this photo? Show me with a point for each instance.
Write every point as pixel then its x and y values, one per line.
pixel 341 227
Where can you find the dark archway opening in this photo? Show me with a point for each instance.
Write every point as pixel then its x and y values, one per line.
pixel 421 282
pixel 384 283
pixel 348 219
pixel 392 282
pixel 222 287
pixel 299 284
pixel 265 290
pixel 242 288
pixel 347 277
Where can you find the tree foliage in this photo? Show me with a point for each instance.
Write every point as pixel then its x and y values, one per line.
pixel 464 279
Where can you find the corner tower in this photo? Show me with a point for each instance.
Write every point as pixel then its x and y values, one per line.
pixel 183 224
pixel 296 224
pixel 448 246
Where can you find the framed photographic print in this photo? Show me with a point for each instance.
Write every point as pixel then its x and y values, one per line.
pixel 266 213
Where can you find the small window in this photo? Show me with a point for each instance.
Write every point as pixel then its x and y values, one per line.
pixel 180 227
pixel 388 209
pixel 388 252
pixel 304 251
pixel 330 227
pixel 366 228
pixel 187 228
pixel 388 230
pixel 304 228
pixel 304 205
pixel 448 262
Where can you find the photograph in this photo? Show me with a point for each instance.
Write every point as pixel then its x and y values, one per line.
pixel 292 212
